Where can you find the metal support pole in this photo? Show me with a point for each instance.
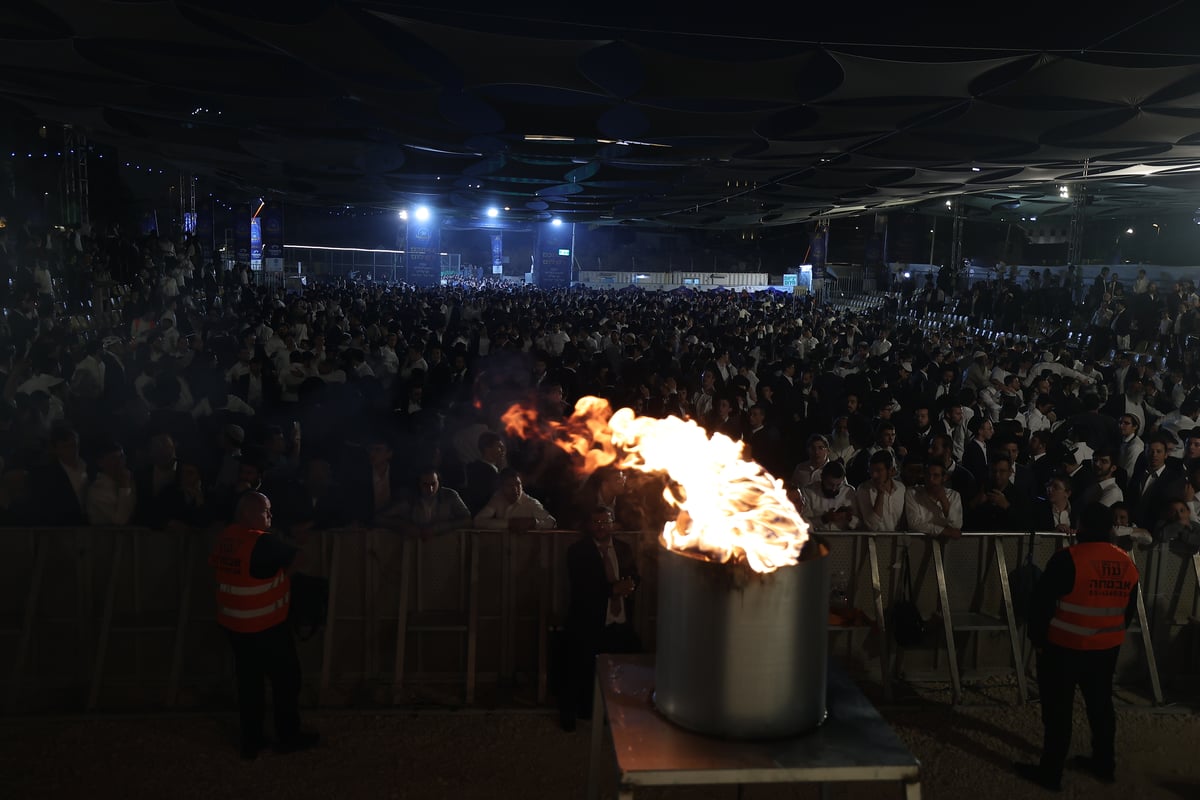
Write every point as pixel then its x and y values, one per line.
pixel 1078 207
pixel 932 240
pixel 956 234
pixel 947 622
pixel 330 616
pixel 75 177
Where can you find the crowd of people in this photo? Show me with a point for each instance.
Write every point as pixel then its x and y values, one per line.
pixel 143 386
pixel 164 399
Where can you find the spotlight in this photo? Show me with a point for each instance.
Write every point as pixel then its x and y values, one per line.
pixel 404 214
pixel 493 212
pixel 422 213
pixel 1129 231
pixel 556 222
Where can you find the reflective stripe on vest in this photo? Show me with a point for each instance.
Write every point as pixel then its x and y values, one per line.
pixel 1092 615
pixel 242 591
pixel 1082 631
pixel 1086 611
pixel 246 604
pixel 238 613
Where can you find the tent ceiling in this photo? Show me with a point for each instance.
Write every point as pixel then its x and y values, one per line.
pixel 603 116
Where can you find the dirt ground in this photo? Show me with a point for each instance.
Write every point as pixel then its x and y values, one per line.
pixel 965 752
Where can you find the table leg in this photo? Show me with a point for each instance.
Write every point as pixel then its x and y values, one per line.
pixel 825 793
pixel 912 790
pixel 625 792
pixel 597 739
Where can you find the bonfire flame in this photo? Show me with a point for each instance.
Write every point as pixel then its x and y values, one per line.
pixel 729 508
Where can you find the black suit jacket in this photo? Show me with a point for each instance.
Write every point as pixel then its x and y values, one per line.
pixel 1041 469
pixel 988 517
pixel 766 447
pixel 1148 506
pixel 591 589
pixel 1026 483
pixel 1043 515
pixel 1082 480
pixel 975 461
pixel 53 499
pixel 481 481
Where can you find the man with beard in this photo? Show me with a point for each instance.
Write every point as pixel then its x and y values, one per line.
pixel 998 505
pixel 941 451
pixel 916 434
pixel 1105 489
pixel 954 424
pixel 1129 401
pixel 830 505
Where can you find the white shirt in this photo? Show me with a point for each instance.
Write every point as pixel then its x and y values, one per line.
pixel 816 504
pixel 233 404
pixel 888 519
pixel 87 381
pixel 1109 492
pixel 989 398
pixel 555 341
pixel 381 483
pixel 498 511
pixel 254 391
pixel 1131 449
pixel 108 504
pixel 1035 420
pixel 607 551
pixel 1062 517
pixel 44 282
pixel 806 474
pixel 926 515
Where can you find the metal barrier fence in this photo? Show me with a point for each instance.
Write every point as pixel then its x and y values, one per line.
pixel 118 618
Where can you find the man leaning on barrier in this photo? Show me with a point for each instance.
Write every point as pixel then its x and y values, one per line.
pixel 1081 607
pixel 427 509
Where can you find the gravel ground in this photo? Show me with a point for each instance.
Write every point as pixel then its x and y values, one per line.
pixel 966 752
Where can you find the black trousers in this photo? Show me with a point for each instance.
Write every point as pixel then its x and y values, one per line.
pixel 259 657
pixel 1060 670
pixel 583 647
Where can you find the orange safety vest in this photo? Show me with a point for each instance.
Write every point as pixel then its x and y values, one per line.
pixel 1092 615
pixel 246 604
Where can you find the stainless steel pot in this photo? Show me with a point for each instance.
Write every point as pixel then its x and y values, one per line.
pixel 741 654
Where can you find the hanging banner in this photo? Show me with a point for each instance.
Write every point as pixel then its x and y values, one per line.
pixel 552 258
pixel 816 253
pixel 256 245
pixel 423 258
pixel 149 223
pixel 873 252
pixel 272 236
pixel 204 229
pixel 241 233
pixel 497 254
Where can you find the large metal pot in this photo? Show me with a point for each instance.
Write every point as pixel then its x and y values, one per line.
pixel 741 654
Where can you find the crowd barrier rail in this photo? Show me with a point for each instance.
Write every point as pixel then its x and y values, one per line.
pixel 122 618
